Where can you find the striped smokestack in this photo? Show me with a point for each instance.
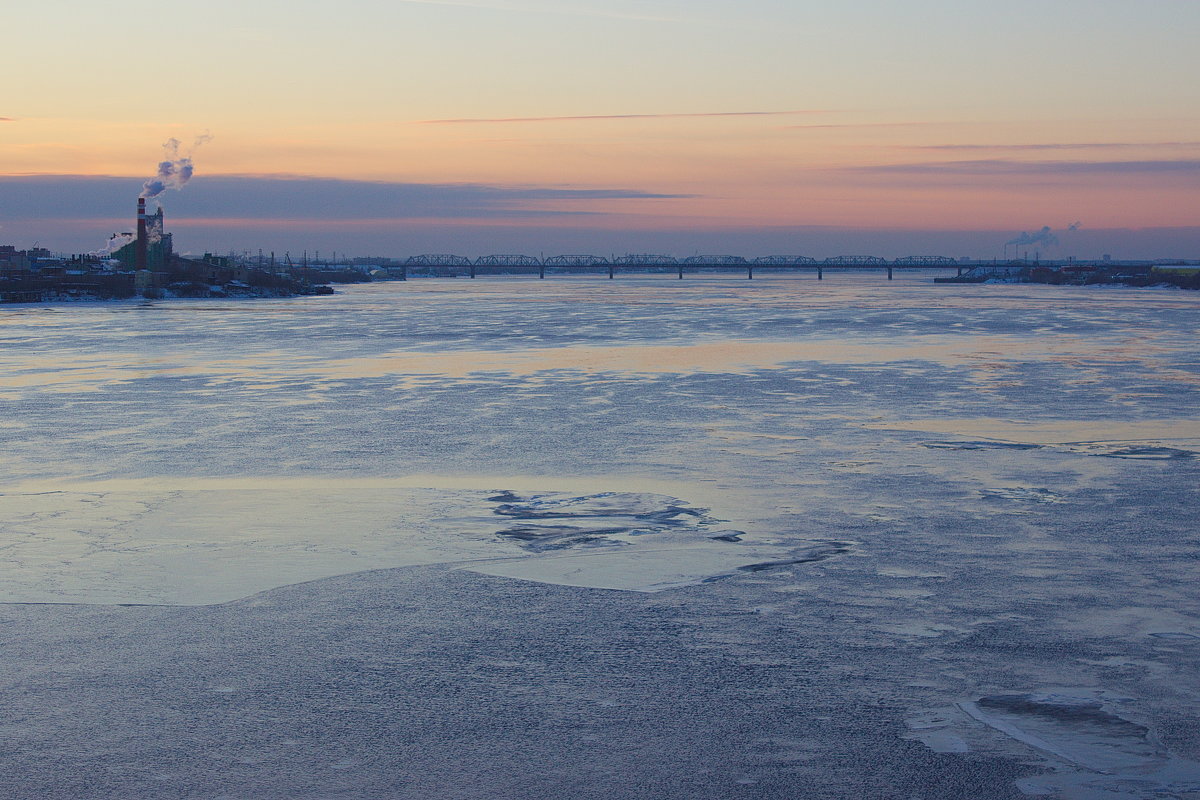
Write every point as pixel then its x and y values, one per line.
pixel 141 234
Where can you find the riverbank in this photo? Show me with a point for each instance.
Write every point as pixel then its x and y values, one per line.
pixel 124 287
pixel 1182 277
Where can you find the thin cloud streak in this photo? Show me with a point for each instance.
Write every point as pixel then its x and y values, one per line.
pixel 1049 147
pixel 8 119
pixel 587 117
pixel 840 125
pixel 1000 166
pixel 297 197
pixel 569 12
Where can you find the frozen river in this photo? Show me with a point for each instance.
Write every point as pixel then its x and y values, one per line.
pixel 642 538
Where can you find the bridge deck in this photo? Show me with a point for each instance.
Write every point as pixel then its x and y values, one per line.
pixel 678 269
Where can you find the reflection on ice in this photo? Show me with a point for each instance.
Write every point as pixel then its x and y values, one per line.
pixel 654 568
pixel 196 545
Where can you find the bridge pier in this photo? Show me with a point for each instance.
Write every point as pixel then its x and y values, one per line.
pixel 612 270
pixel 889 273
pixel 404 272
pixel 472 271
pixel 750 272
pixel 820 274
pixel 960 272
pixel 681 272
pixel 542 271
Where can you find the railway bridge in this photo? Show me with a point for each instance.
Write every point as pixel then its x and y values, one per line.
pixel 510 264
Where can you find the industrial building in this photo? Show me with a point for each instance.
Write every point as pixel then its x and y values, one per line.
pixel 152 247
pixel 146 264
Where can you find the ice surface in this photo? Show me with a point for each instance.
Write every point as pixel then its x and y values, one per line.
pixel 1009 433
pixel 644 538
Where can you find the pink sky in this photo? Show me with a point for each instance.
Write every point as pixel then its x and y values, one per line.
pixel 707 117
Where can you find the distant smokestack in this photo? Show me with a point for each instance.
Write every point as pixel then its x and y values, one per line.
pixel 140 262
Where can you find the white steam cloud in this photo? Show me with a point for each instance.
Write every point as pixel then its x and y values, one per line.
pixel 1044 237
pixel 115 243
pixel 175 170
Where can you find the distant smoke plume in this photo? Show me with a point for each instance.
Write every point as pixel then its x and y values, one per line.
pixel 175 171
pixel 1044 237
pixel 1074 226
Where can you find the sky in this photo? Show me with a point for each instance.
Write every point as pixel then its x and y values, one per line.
pixel 479 126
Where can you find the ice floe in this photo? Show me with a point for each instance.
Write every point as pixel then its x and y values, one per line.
pixel 1083 737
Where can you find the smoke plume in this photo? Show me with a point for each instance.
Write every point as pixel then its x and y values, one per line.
pixel 1044 237
pixel 175 170
pixel 115 243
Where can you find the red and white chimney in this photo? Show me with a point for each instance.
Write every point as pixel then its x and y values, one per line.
pixel 140 259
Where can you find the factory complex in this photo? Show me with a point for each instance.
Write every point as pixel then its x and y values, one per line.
pixel 144 263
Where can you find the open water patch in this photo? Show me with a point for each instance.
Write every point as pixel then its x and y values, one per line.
pixel 634 541
pixel 1137 452
pixel 557 521
pixel 1124 450
pixel 544 538
pixel 1176 636
pixel 812 554
pixel 981 445
pixel 649 508
pixel 1021 494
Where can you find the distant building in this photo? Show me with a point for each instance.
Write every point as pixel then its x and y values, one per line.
pixel 12 260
